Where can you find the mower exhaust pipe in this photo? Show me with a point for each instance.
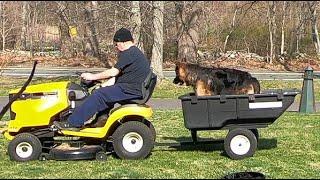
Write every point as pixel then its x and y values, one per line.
pixel 16 96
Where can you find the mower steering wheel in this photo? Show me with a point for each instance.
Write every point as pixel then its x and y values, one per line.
pixel 86 83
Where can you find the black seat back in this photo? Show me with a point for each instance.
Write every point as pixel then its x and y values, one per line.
pixel 148 86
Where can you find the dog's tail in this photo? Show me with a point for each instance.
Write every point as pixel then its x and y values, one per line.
pixel 256 85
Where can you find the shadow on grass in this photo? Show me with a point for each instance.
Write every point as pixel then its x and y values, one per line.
pixel 209 144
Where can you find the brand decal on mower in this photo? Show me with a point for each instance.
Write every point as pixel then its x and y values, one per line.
pixel 38 95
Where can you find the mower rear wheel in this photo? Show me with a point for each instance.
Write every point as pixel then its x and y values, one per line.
pixel 153 130
pixel 25 147
pixel 133 140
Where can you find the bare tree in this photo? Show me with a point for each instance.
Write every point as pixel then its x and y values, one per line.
pixel 136 24
pixel 187 26
pixel 188 29
pixel 7 22
pixel 23 36
pixel 312 5
pixel 64 24
pixel 284 7
pixel 272 29
pixel 33 27
pixel 232 27
pixel 90 17
pixel 157 49
pixel 299 28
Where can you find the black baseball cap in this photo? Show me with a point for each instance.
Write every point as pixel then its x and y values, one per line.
pixel 122 35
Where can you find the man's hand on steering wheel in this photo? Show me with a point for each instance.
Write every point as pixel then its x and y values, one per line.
pixel 88 76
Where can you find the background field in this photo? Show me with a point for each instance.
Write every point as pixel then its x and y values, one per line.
pixel 165 90
pixel 288 148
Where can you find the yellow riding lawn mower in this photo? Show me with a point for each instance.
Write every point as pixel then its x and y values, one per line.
pixel 126 132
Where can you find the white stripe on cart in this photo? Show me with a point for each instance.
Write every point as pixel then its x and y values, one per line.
pixel 260 105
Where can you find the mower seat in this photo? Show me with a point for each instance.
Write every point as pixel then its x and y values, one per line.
pixel 148 86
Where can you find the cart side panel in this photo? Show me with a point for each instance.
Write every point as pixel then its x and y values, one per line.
pixel 218 112
pixel 221 111
pixel 261 110
pixel 288 100
pixel 195 113
pixel 264 109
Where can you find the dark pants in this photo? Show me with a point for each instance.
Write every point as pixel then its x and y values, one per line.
pixel 99 100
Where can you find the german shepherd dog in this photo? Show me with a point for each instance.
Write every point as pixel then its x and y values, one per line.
pixel 215 81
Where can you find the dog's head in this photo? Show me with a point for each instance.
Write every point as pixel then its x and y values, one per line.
pixel 180 71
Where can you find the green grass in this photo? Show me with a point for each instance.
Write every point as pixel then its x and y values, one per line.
pixel 288 148
pixel 165 90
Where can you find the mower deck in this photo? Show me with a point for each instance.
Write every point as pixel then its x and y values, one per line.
pixel 63 152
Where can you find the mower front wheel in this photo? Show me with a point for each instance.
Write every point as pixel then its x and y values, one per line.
pixel 25 147
pixel 133 140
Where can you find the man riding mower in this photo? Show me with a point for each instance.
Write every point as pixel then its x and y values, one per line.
pixel 34 108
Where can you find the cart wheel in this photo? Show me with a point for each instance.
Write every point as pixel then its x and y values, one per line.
pixel 256 133
pixel 133 140
pixel 25 147
pixel 240 143
pixel 101 156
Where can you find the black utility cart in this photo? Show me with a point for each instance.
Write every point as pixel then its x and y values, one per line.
pixel 242 115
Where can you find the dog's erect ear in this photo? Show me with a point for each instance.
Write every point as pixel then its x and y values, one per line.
pixel 179 62
pixel 176 62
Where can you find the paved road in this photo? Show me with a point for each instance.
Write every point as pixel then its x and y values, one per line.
pixel 162 104
pixel 45 72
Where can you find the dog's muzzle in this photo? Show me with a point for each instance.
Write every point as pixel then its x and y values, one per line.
pixel 177 81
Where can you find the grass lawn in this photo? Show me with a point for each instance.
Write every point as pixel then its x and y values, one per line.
pixel 166 89
pixel 288 148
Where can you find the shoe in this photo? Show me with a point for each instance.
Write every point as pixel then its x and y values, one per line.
pixel 101 121
pixel 65 126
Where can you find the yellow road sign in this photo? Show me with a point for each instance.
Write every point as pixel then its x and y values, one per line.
pixel 73 31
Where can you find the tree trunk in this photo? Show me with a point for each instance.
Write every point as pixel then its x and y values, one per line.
pixel 2 26
pixel 271 20
pixel 298 33
pixel 95 13
pixel 188 35
pixel 115 17
pixel 23 37
pixel 315 35
pixel 65 38
pixel 232 26
pixel 282 27
pixel 136 24
pixel 157 48
pixel 91 29
pixel 32 32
